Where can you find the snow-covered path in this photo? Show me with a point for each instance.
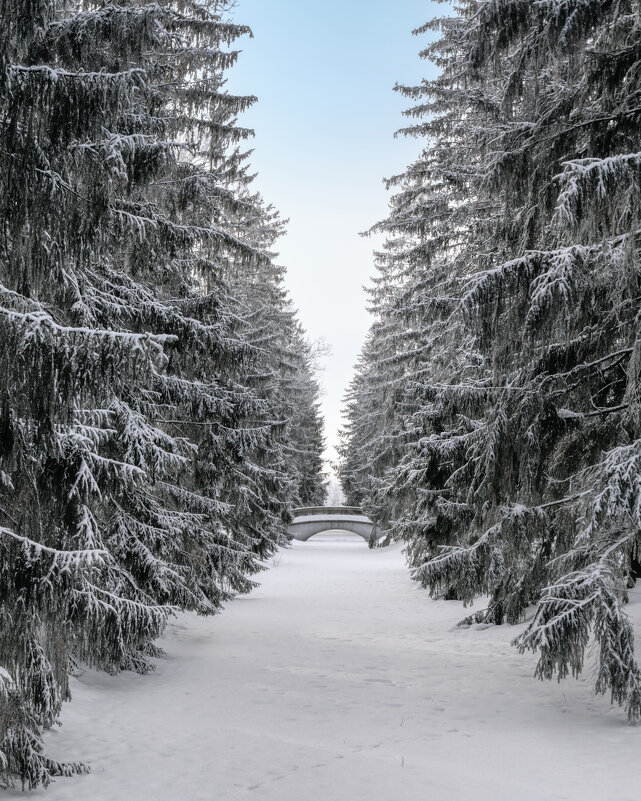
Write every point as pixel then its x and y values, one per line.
pixel 339 680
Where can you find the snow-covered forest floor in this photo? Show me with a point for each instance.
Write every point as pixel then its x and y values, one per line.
pixel 340 680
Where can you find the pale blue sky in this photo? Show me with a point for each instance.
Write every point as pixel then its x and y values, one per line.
pixel 325 121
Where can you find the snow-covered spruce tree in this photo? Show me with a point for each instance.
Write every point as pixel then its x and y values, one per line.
pixel 541 473
pixel 57 576
pixel 409 417
pixel 307 439
pixel 289 370
pixel 373 438
pixel 441 216
pixel 352 465
pixel 281 451
pixel 125 399
pixel 369 442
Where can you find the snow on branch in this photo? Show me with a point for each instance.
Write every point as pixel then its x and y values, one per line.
pixel 478 569
pixel 61 559
pixel 601 178
pixel 581 605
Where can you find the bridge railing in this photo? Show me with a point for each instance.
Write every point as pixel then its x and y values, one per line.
pixel 327 510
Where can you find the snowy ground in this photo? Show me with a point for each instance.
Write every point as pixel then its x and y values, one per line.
pixel 339 680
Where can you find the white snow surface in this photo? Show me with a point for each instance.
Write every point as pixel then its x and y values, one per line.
pixel 341 680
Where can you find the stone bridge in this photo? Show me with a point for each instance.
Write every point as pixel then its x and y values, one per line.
pixel 314 519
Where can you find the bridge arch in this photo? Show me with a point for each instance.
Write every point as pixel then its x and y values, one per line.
pixel 316 519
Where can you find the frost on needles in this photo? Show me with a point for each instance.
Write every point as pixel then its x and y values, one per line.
pixel 494 422
pixel 148 403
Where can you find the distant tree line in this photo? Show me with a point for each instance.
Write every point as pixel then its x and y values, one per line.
pixel 494 420
pixel 159 407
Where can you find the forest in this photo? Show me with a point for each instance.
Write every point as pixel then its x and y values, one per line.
pixel 493 422
pixel 159 410
pixel 160 397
